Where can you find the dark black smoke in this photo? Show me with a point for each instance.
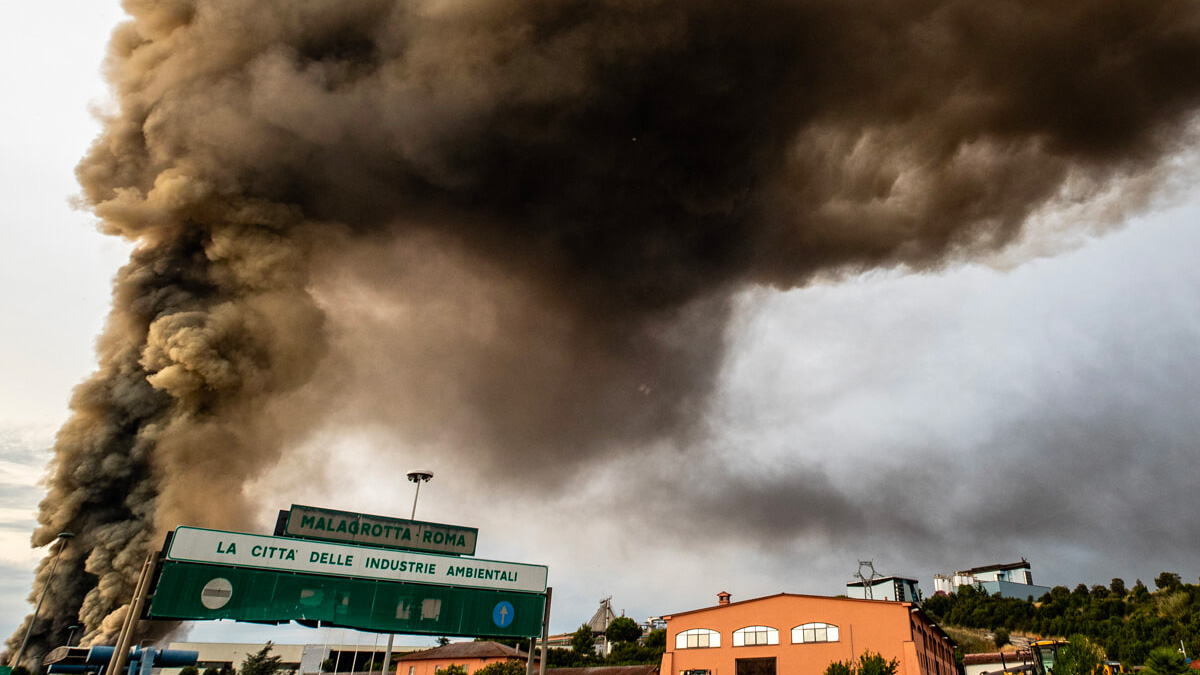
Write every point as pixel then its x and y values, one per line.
pixel 615 169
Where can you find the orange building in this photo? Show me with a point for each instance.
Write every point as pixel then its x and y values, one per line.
pixel 790 634
pixel 470 655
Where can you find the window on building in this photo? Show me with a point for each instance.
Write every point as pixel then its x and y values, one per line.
pixel 814 632
pixel 755 635
pixel 412 670
pixel 755 666
pixel 697 638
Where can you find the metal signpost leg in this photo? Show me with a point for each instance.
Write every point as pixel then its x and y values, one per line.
pixel 387 656
pixel 117 665
pixel 545 632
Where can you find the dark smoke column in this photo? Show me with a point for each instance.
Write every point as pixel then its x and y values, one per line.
pixel 632 162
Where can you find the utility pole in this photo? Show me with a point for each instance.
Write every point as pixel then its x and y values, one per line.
pixel 62 539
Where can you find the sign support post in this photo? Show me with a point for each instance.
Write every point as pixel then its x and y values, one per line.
pixel 545 631
pixel 121 654
pixel 387 655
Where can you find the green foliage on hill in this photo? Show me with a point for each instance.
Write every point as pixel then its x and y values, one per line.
pixel 1126 623
pixel 648 650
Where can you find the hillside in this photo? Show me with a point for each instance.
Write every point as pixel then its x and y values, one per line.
pixel 1127 622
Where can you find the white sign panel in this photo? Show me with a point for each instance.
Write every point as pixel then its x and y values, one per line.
pixel 314 557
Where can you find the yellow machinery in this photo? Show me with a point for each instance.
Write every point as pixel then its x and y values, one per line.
pixel 1043 654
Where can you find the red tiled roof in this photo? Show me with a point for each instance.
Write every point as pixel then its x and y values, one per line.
pixel 606 670
pixel 781 595
pixel 466 650
pixel 994 657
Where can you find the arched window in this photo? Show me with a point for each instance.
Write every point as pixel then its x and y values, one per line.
pixel 697 638
pixel 755 635
pixel 814 632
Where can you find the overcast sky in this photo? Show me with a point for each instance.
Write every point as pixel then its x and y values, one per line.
pixel 981 414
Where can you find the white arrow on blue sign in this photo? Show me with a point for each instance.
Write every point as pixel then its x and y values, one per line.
pixel 502 614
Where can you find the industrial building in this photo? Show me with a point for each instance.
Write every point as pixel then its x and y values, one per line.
pixel 790 634
pixel 901 589
pixel 1010 580
pixel 310 659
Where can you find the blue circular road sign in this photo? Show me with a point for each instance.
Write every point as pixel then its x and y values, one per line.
pixel 502 614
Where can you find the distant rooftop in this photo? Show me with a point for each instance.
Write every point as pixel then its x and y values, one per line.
pixel 879 579
pixel 997 568
pixel 466 650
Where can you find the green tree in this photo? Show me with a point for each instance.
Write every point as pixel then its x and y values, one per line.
pixel 502 668
pixel 840 668
pixel 1165 661
pixel 214 671
pixel 623 629
pixel 452 669
pixel 1080 657
pixel 189 670
pixel 1167 581
pixel 443 641
pixel 327 666
pixel 869 663
pixel 1118 586
pixel 583 643
pixel 262 662
pixel 557 657
pixel 656 639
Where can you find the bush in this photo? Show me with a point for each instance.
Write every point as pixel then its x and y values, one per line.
pixel 869 663
pixel 502 668
pixel 1166 661
pixel 1001 637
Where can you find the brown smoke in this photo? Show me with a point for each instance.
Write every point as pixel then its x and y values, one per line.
pixel 597 177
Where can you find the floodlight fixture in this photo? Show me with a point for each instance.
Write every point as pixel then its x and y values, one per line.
pixel 418 476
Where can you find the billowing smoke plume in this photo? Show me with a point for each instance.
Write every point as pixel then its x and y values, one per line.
pixel 608 172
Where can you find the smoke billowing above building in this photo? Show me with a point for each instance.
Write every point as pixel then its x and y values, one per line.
pixel 552 202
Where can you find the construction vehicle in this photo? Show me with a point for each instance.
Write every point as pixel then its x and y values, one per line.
pixel 1040 658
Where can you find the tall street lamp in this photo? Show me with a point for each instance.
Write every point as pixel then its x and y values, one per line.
pixel 63 538
pixel 418 476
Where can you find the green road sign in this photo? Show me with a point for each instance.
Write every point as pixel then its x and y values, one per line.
pixel 309 522
pixel 195 591
pixel 238 549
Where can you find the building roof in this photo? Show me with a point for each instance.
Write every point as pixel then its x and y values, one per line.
pixel 997 568
pixel 466 650
pixel 787 595
pixel 609 670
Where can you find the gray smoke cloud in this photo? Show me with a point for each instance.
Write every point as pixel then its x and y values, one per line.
pixel 552 203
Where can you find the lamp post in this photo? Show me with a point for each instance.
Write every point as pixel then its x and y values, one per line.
pixel 418 476
pixel 63 538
